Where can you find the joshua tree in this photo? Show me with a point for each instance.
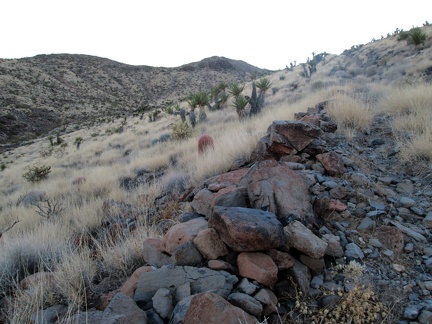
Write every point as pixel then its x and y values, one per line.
pixel 263 85
pixel 240 104
pixel 235 90
pixel 217 94
pixel 201 100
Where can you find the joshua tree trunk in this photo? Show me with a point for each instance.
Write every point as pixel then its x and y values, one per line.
pixel 254 102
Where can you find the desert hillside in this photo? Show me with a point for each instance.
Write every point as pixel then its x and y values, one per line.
pixel 43 92
pixel 140 194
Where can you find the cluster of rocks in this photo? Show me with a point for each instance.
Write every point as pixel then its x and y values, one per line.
pixel 277 223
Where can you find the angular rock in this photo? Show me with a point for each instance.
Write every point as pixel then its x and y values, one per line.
pixel 182 233
pixel 261 152
pixel 315 265
pixel 171 277
pixel 283 260
pixel 186 255
pixel 257 266
pixel 275 187
pixel 201 203
pixel 246 229
pixel 268 299
pixel 245 286
pixel 231 196
pixel 352 250
pixel 332 162
pixel 209 243
pixel 302 239
pixel 301 275
pixel 51 314
pixel 125 308
pixel 210 308
pixel 152 254
pixel 334 247
pixel 246 302
pixel 129 287
pixel 163 303
pixel 221 265
pixel 325 207
pixel 291 134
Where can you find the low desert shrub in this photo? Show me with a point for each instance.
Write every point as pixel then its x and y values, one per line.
pixel 37 173
pixel 181 131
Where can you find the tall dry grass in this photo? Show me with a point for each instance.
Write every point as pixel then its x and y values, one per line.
pixel 411 107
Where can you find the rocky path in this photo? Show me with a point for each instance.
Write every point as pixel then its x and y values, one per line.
pixel 296 234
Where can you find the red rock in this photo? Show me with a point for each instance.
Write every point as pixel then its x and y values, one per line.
pixel 182 233
pixel 257 266
pixel 247 229
pixel 211 308
pixel 130 284
pixel 210 244
pixel 302 239
pixel 283 260
pixel 332 162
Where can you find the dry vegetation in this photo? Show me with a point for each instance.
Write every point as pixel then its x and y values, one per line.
pixel 61 232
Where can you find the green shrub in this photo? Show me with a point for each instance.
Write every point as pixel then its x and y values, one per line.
pixel 181 131
pixel 417 36
pixel 37 173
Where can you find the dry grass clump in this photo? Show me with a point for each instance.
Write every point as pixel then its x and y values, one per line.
pixel 411 107
pixel 350 113
pixel 358 305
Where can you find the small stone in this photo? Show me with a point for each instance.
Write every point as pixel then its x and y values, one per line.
pixel 245 286
pixel 375 243
pixel 366 223
pixel 427 221
pixel 316 282
pixel 409 247
pixel 388 253
pixel 418 211
pixel 375 213
pixel 427 251
pixel 398 267
pixel 407 202
pixel 352 250
pixel 425 317
pixel 411 312
pixel 428 285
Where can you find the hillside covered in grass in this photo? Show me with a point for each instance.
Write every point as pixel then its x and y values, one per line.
pixel 62 191
pixel 40 93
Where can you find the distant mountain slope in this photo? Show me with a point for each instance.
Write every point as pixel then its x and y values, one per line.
pixel 42 92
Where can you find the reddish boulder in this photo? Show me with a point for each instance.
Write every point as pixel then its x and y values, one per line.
pixel 246 229
pixel 257 266
pixel 275 187
pixel 332 162
pixel 181 233
pixel 211 308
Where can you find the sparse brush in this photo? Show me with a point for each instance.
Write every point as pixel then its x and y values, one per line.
pixel 181 131
pixel 37 173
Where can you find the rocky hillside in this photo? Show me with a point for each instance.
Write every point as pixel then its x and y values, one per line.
pixel 40 93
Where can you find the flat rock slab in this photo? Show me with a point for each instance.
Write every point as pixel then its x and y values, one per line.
pixel 273 186
pixel 171 277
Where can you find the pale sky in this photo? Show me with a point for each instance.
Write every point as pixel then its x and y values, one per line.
pixel 268 34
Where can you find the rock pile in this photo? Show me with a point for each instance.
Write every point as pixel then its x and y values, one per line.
pixel 269 229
